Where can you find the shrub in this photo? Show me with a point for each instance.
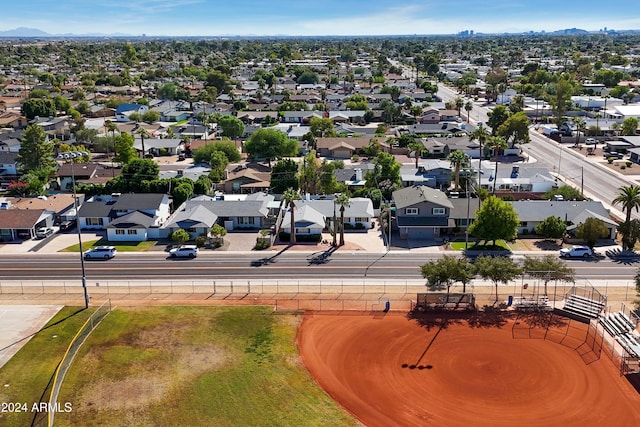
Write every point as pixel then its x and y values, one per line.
pixel 623 167
pixel 629 163
pixel 314 238
pixel 262 243
pixel 359 226
pixel 200 241
pixel 609 160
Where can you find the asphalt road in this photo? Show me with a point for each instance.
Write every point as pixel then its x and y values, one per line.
pixel 150 266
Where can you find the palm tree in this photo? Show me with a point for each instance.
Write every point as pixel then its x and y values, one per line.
pixel 496 143
pixel 343 201
pixel 418 148
pixel 579 123
pixel 481 134
pixel 290 196
pixel 468 107
pixel 629 198
pixel 143 133
pixel 459 103
pixel 457 159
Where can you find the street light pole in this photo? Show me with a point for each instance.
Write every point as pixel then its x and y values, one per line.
pixel 75 207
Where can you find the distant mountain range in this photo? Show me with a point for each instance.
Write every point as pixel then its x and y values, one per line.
pixel 24 32
pixel 34 32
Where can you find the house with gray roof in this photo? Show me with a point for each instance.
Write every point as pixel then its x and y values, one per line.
pixel 358 215
pixel 434 173
pixel 422 212
pixel 199 214
pixel 572 212
pixel 101 212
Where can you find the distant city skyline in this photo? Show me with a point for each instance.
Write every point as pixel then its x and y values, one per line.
pixel 306 18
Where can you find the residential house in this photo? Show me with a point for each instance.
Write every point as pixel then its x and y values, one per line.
pixel 533 212
pixel 247 178
pixel 197 215
pixel 159 146
pixel 358 214
pixel 8 166
pixel 125 216
pixel 55 127
pixel 12 120
pixel 10 141
pixel 307 220
pixel 434 173
pixel 124 110
pixel 345 148
pixel 518 181
pixel 422 212
pixel 20 223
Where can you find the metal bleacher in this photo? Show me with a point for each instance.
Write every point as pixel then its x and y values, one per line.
pixel 583 306
pixel 620 326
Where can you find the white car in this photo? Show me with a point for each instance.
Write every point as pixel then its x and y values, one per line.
pixel 576 251
pixel 591 141
pixel 100 252
pixel 43 232
pixel 184 251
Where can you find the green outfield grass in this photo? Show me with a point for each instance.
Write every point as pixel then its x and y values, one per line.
pixel 26 377
pixel 192 366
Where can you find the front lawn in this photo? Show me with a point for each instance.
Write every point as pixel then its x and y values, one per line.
pixel 500 245
pixel 120 246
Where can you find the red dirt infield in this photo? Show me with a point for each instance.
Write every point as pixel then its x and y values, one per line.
pixel 464 370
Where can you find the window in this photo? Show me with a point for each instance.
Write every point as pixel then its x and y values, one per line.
pixel 361 219
pixel 119 231
pixel 439 211
pixel 132 231
pixel 94 221
pixel 245 220
pixel 411 211
pixel 523 224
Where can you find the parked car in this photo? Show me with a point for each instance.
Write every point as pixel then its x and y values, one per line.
pixel 184 251
pixel 576 251
pixel 68 225
pixel 43 232
pixel 100 252
pixel 591 141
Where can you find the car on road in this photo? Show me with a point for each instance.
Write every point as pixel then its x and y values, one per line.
pixel 576 251
pixel 591 141
pixel 68 225
pixel 184 251
pixel 101 252
pixel 43 232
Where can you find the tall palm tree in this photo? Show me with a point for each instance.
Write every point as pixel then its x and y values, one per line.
pixel 418 148
pixel 481 134
pixel 580 124
pixel 143 133
pixel 629 198
pixel 459 103
pixel 496 143
pixel 457 159
pixel 290 196
pixel 468 106
pixel 343 201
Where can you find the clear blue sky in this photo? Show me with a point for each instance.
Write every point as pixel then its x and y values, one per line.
pixel 313 17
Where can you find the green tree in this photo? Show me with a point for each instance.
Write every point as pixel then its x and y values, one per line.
pixel 515 129
pixel 592 230
pixel 308 77
pixel 231 126
pixel 36 153
pixel 167 91
pixel 138 170
pixel 327 181
pixel 566 191
pixel 497 269
pixel 468 106
pixel 629 126
pixel 559 97
pixel 38 107
pixel 322 127
pixel 496 219
pixel 150 116
pixel 290 196
pixel 552 227
pixel 385 174
pixel 629 198
pixel 179 236
pixel 548 268
pixel 219 163
pixel 218 232
pixel 458 159
pixel 270 144
pixel 630 232
pixel 284 176
pixel 125 152
pixel 446 271
pixel 181 193
pixel 418 149
pixel 310 173
pixel 497 117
